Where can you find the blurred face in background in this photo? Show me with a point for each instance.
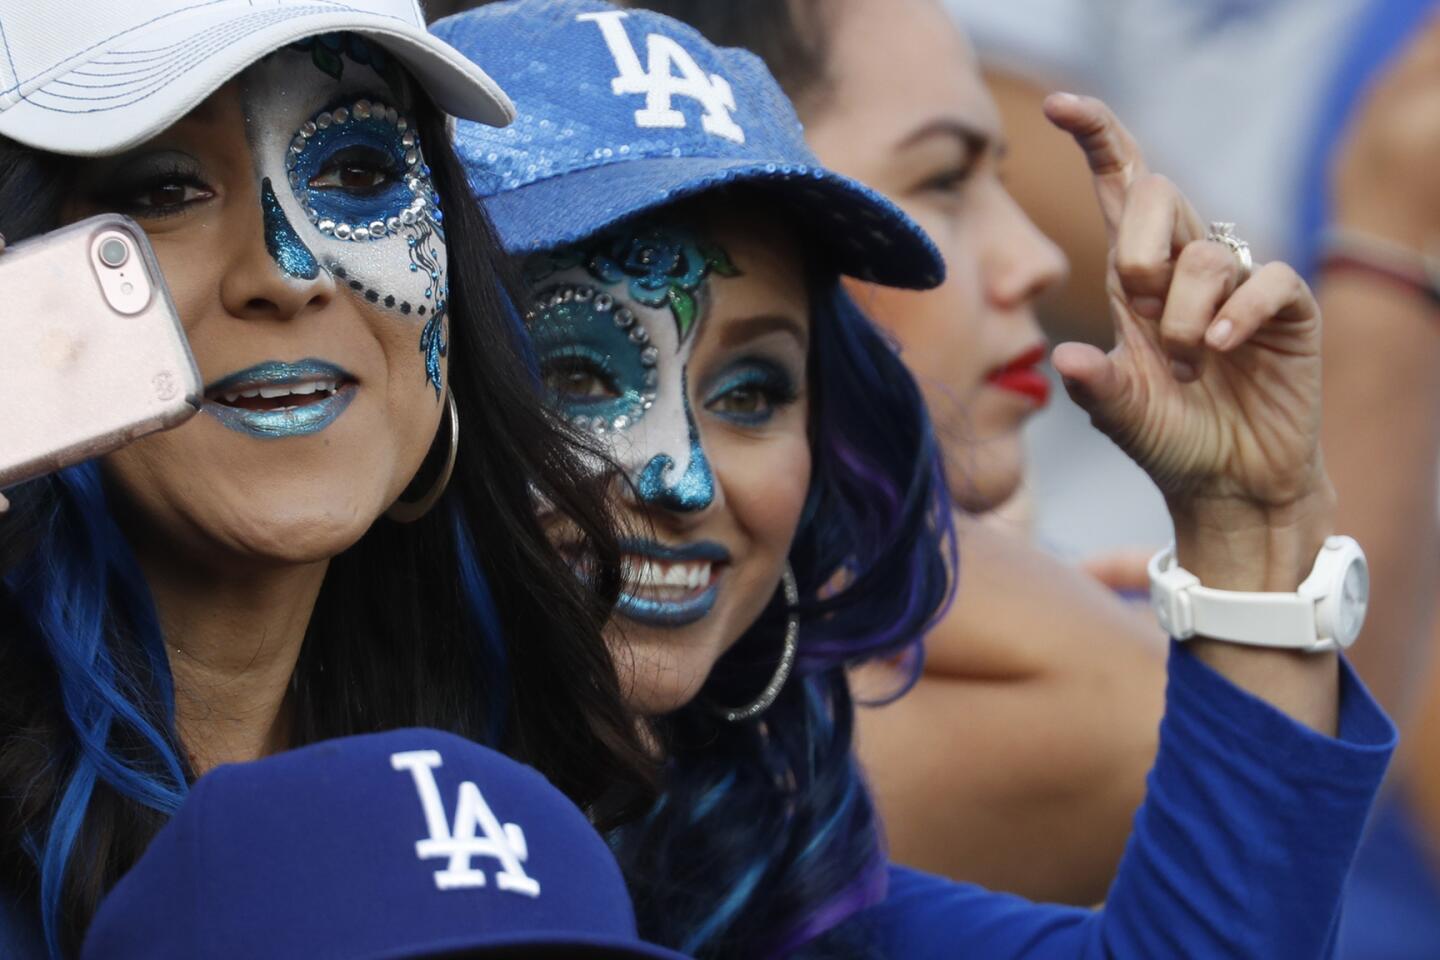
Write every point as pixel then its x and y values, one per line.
pixel 903 108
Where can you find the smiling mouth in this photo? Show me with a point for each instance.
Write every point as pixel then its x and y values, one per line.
pixel 281 399
pixel 670 586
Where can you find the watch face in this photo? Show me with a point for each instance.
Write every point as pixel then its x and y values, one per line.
pixel 1354 598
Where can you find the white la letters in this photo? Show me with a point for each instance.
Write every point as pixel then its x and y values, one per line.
pixel 460 844
pixel 660 84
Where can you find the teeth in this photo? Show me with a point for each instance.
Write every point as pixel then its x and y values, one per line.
pixel 299 389
pixel 642 572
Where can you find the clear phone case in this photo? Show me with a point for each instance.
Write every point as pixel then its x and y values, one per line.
pixel 92 353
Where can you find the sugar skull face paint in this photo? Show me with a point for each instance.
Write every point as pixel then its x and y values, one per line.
pixel 614 324
pixel 681 344
pixel 346 188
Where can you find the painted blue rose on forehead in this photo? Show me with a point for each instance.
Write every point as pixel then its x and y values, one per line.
pixel 665 266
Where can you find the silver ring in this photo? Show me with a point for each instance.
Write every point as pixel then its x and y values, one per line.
pixel 1223 232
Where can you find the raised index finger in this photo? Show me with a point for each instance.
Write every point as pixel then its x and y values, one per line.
pixel 1115 159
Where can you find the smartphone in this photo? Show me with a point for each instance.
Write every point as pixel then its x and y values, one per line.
pixel 92 353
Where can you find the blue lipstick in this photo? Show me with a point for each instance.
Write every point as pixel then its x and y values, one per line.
pixel 672 613
pixel 305 397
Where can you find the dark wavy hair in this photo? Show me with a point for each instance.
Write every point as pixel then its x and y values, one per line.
pixel 467 620
pixel 764 839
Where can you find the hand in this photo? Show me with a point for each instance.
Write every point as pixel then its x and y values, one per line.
pixel 1385 180
pixel 1214 384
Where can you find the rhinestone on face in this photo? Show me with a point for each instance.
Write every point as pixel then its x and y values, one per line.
pixel 621 423
pixel 362 109
pixel 297 145
pixel 652 377
pixel 409 138
pixel 307 129
pixel 393 224
pixel 584 294
pixel 377 228
pixel 326 226
pixel 402 124
pixel 604 302
pixel 650 356
pixel 341 115
pixel 624 318
pixel 324 120
pixel 639 335
pixel 343 231
pixel 361 233
pixel 407 217
pixel 412 157
pixel 567 294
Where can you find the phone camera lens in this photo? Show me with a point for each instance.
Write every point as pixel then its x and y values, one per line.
pixel 114 252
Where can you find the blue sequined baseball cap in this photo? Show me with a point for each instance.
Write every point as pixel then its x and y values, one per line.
pixel 386 846
pixel 623 111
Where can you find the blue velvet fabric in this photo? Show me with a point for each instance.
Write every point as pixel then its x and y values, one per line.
pixel 1240 850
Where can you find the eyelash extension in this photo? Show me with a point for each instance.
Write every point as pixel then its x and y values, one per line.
pixel 121 198
pixel 365 157
pixel 775 384
pixel 588 362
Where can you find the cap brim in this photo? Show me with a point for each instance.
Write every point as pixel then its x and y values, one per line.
pixel 597 947
pixel 869 238
pixel 128 91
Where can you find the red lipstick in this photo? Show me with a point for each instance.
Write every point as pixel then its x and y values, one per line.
pixel 1022 375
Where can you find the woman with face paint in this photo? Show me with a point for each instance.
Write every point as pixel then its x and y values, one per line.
pixel 344 539
pixel 786 512
pixel 1042 690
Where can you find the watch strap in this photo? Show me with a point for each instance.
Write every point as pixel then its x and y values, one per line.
pixel 1186 609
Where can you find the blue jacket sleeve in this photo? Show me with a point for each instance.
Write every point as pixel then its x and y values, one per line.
pixel 1240 850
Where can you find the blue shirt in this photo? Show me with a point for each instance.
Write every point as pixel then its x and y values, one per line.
pixel 1240 850
pixel 1392 904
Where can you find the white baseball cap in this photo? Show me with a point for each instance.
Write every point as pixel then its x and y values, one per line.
pixel 93 77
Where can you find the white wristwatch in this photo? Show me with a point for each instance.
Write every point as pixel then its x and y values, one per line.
pixel 1324 614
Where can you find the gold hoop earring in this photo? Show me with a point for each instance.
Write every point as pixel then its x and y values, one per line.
pixel 403 511
pixel 787 656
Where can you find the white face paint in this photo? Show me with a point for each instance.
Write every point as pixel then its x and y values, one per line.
pixel 614 324
pixel 343 183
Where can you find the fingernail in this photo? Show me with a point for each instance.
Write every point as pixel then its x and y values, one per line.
pixel 1183 370
pixel 1219 333
pixel 1150 308
pixel 1064 97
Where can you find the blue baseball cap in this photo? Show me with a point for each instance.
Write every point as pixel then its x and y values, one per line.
pixel 407 844
pixel 623 111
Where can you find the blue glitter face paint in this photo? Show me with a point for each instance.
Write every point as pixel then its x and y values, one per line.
pixel 691 491
pixel 283 244
pixel 357 190
pixel 275 400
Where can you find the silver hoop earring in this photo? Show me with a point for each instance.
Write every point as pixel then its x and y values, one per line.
pixel 787 656
pixel 403 511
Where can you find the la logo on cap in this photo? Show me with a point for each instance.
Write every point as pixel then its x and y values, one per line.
pixel 460 844
pixel 660 84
